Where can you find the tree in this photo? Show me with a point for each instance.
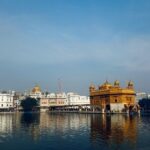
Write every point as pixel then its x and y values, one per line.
pixel 145 103
pixel 29 103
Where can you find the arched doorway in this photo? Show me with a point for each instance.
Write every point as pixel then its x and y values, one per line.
pixel 108 108
pixel 130 108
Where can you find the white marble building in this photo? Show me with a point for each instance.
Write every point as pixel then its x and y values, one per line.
pixel 6 101
pixel 141 95
pixel 75 99
pixel 53 99
pixel 63 99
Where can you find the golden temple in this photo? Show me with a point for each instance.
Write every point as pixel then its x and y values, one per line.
pixel 113 98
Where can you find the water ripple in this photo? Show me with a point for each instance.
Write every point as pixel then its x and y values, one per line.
pixel 73 131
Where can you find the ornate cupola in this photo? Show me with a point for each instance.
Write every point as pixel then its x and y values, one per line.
pixel 105 85
pixel 130 85
pixel 92 87
pixel 116 83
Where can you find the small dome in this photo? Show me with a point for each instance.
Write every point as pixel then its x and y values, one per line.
pixel 130 83
pixel 36 89
pixel 106 85
pixel 116 83
pixel 92 87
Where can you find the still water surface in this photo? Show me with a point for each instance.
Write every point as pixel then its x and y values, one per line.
pixel 34 131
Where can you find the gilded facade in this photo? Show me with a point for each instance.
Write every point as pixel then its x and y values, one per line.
pixel 108 97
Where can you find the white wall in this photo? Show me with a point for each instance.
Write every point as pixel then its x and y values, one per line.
pixel 6 101
pixel 116 107
pixel 75 99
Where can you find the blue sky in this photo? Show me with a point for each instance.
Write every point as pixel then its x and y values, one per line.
pixel 77 41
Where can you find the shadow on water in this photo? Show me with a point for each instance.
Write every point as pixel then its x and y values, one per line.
pixel 28 118
pixel 30 124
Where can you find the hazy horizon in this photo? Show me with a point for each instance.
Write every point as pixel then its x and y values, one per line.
pixel 77 42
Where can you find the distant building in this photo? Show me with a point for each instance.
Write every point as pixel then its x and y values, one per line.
pixel 6 101
pixel 36 92
pixel 112 98
pixel 17 98
pixel 44 104
pixel 141 95
pixel 47 100
pixel 75 99
pixel 62 99
pixel 52 99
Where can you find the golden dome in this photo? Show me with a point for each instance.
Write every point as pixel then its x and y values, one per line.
pixel 92 87
pixel 36 89
pixel 130 83
pixel 116 83
pixel 106 85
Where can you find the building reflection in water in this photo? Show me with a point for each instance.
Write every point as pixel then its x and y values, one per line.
pixel 44 124
pixel 114 129
pixel 30 118
pixel 30 124
pixel 6 127
pixel 110 131
pixel 63 122
pixel 6 123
